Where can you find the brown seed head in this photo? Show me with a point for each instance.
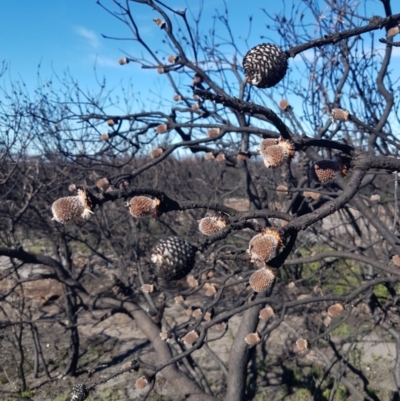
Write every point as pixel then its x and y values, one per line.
pixel 160 23
pixel 211 225
pixel 261 280
pixel 324 171
pixel 71 209
pixel 265 144
pixel 189 311
pixel 123 61
pixel 393 31
pixel 284 105
pixel 102 182
pixel 141 383
pixel 327 320
pixel 220 157
pixel 72 188
pixel 165 336
pixel 375 198
pixel 177 98
pixel 195 107
pixel 277 155
pixel 211 291
pixel 157 152
pixel 313 195
pixel 220 326
pixel 213 132
pixel 209 156
pixel 335 309
pixel 142 206
pixel 197 313
pixel 179 299
pixel 111 122
pixel 192 281
pixel 264 246
pixel 160 129
pixel 242 156
pixel 104 137
pixel 207 316
pixel 160 69
pixel 282 190
pixel 252 338
pixel 339 114
pixel 196 97
pixel 190 338
pixel 172 59
pixel 266 313
pixel 302 344
pixel 396 260
pixel 147 288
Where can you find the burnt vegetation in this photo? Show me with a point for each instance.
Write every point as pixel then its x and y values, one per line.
pixel 269 204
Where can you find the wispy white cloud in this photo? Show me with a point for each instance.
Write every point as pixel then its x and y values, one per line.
pixel 90 36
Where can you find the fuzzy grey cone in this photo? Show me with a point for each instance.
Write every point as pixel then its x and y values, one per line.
pixel 79 393
pixel 265 65
pixel 173 257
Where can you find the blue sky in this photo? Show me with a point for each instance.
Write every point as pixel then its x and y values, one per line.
pixel 65 35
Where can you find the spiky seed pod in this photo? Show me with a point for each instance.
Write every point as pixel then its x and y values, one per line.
pixel 213 132
pixel 112 121
pixel 396 260
pixel 190 338
pixel 324 171
pixel 220 157
pixel 160 129
pixel 209 156
pixel 393 31
pixel 339 114
pixel 313 195
pixel 157 152
pixel 252 338
pixel 102 182
pixel 265 65
pixel 141 383
pixel 277 155
pixel 79 393
pixel 265 144
pixel 192 281
pixel 174 258
pixel 147 288
pixel 172 59
pixel 282 190
pixel 335 309
pixel 375 198
pixel 262 279
pixel 211 225
pixel 302 344
pixel 179 299
pixel 142 206
pixel 123 61
pixel 160 69
pixel 177 98
pixel 266 313
pixel 197 313
pixel 160 23
pixel 284 105
pixel 104 137
pixel 264 246
pixel 72 209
